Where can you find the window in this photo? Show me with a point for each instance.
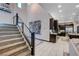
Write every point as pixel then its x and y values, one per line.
pixel 69 29
pixel 19 5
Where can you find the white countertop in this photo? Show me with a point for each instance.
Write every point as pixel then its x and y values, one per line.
pixel 52 32
pixel 75 44
pixel 73 33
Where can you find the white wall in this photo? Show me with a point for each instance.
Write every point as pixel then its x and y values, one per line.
pixel 6 17
pixel 35 12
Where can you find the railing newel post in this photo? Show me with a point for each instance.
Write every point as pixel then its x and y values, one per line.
pixel 32 44
pixel 16 18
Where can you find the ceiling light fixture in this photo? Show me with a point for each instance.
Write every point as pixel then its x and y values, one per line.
pixel 77 6
pixel 59 6
pixel 73 13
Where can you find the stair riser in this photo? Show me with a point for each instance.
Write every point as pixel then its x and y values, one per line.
pixel 23 50
pixel 24 53
pixel 10 42
pixel 5 33
pixel 10 37
pixel 8 34
pixel 7 29
pixel 17 52
pixel 11 48
pixel 7 25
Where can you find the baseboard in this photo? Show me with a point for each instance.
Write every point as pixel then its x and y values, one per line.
pixel 42 40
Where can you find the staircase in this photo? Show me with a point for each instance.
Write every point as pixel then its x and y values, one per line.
pixel 11 42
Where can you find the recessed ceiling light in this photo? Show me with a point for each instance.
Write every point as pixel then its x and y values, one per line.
pixel 73 13
pixel 59 6
pixel 77 6
pixel 60 11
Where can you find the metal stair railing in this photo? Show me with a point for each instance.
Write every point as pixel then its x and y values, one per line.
pixel 25 30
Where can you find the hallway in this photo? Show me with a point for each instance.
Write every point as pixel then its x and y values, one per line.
pixel 57 49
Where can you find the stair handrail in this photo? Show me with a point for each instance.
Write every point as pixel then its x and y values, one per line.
pixel 24 24
pixel 32 46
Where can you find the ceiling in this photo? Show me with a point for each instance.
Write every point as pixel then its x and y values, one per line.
pixel 62 11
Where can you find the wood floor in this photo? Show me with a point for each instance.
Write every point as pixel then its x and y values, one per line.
pixel 61 48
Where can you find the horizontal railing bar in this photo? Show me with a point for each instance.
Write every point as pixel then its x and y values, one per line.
pixel 26 26
pixel 24 23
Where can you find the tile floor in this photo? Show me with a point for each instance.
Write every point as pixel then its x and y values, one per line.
pixel 60 48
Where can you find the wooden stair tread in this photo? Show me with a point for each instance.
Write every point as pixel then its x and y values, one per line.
pixel 8 27
pixel 8 24
pixel 14 51
pixel 9 31
pixel 7 46
pixel 25 53
pixel 10 35
pixel 10 39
